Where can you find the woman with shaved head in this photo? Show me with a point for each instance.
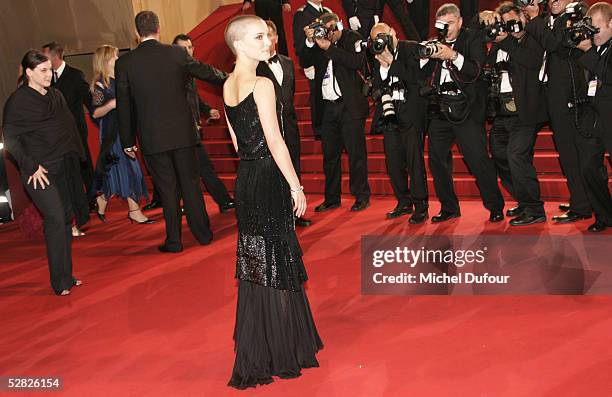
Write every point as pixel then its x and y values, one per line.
pixel 275 334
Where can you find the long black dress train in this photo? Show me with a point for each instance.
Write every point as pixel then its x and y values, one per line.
pixel 275 334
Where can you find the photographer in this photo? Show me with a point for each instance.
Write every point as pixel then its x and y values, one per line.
pixel 457 100
pixel 564 83
pixel 338 61
pixel 396 81
pixel 520 109
pixel 592 145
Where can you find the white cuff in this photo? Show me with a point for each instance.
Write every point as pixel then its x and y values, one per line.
pixel 376 19
pixel 459 61
pixel 309 44
pixel 423 62
pixel 384 72
pixel 309 72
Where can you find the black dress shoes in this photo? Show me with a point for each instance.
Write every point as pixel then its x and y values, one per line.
pixel 418 217
pixel 152 205
pixel 524 220
pixel 399 210
pixel 597 227
pixel 302 222
pixel 496 216
pixel 360 205
pixel 515 211
pixel 443 216
pixel 223 208
pixel 165 249
pixel 569 217
pixel 564 207
pixel 325 206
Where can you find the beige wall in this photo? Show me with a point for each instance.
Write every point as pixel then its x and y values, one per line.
pixel 179 16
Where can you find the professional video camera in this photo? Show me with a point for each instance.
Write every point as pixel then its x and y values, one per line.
pixel 427 49
pixel 378 44
pixel 498 27
pixel 580 27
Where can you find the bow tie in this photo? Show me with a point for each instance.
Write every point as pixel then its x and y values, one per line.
pixel 273 59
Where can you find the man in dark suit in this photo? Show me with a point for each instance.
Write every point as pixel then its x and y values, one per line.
pixel 272 10
pixel 338 60
pixel 455 68
pixel 363 14
pixel 520 113
pixel 412 19
pixel 71 83
pixel 166 128
pixel 397 74
pixel 597 59
pixel 200 109
pixel 561 75
pixel 280 70
pixel 303 17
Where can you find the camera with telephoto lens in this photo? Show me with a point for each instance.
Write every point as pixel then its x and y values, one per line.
pixel 385 96
pixel 580 27
pixel 427 49
pixel 498 27
pixel 378 44
pixel 492 74
pixel 320 30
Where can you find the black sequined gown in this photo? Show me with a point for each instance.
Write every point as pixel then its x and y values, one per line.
pixel 275 334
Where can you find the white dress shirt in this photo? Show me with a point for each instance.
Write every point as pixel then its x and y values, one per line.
pixel 60 70
pixel 505 86
pixel 277 69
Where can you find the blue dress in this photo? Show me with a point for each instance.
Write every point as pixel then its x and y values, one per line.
pixel 116 174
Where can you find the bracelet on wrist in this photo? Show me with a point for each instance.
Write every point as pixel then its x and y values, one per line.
pixel 298 189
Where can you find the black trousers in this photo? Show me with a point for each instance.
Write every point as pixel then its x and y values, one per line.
pixel 512 147
pixel 469 8
pixel 366 19
pixel 175 174
pixel 272 10
pixel 404 158
pixel 591 153
pixel 340 131
pixel 419 15
pixel 209 177
pixel 87 169
pixel 54 204
pixel 471 138
pixel 400 11
pixel 564 134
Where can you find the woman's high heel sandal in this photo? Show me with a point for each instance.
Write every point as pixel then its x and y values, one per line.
pixel 101 214
pixel 132 220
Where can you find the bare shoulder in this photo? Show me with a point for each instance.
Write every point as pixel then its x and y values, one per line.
pixel 263 88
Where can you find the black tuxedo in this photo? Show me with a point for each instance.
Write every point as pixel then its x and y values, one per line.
pixel 512 138
pixel 470 134
pixel 75 89
pixel 404 144
pixel 272 10
pixel 284 93
pixel 561 66
pixel 592 149
pixel 342 121
pixel 365 11
pixel 153 79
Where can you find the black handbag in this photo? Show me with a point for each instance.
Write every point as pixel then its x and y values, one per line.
pixel 454 108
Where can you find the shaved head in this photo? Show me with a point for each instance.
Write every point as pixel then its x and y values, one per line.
pixel 237 28
pixel 379 28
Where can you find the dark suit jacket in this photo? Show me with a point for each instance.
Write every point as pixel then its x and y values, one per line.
pixel 363 7
pixel 559 58
pixel 471 45
pixel 347 63
pixel 75 89
pixel 153 79
pixel 602 67
pixel 525 62
pixel 302 18
pixel 284 93
pixel 407 69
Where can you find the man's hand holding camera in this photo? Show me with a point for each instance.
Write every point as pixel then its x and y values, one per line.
pixel 385 58
pixel 309 32
pixel 323 43
pixel 445 53
pixel 585 45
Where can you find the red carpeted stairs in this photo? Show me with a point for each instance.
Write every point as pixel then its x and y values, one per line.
pixel 209 48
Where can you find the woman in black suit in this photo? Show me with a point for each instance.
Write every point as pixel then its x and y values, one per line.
pixel 40 133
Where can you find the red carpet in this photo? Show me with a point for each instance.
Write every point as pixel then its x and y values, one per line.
pixel 147 324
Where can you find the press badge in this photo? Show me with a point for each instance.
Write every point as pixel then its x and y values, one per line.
pixel 592 88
